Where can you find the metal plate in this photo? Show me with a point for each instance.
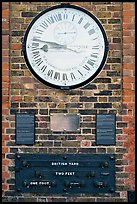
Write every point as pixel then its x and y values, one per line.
pixel 65 173
pixel 64 122
pixel 25 126
pixel 105 129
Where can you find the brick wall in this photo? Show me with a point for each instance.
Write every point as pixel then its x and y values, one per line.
pixel 129 88
pixel 112 91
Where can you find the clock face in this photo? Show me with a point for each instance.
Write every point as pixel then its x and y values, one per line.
pixel 65 46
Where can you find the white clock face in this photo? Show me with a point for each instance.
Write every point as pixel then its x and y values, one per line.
pixel 65 46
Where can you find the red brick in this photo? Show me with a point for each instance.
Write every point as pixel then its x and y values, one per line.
pixel 4 186
pixel 5 79
pixel 128 92
pixel 5 124
pixel 129 13
pixel 16 46
pixel 126 99
pixel 5 175
pixel 5 105
pixel 5 13
pixel 128 79
pixel 5 25
pixel 128 6
pixel 5 149
pixel 128 39
pixel 127 86
pixel 16 98
pixel 128 66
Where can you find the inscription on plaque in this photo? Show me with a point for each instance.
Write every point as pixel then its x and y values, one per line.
pixel 64 122
pixel 25 125
pixel 105 129
pixel 65 173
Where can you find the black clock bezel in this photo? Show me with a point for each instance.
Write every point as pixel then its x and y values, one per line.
pixel 66 5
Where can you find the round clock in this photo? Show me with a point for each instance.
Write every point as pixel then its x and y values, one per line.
pixel 65 46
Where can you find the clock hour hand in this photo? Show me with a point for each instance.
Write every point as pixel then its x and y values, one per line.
pixel 45 47
pixel 54 45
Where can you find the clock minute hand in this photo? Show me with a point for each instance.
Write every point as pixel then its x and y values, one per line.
pixel 67 48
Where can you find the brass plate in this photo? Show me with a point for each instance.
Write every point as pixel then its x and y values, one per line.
pixel 64 122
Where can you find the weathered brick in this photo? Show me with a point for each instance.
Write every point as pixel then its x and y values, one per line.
pixel 103 105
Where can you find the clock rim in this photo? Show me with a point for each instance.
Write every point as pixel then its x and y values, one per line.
pixel 106 46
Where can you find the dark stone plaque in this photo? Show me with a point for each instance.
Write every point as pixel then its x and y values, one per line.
pixel 65 173
pixel 25 127
pixel 64 122
pixel 105 129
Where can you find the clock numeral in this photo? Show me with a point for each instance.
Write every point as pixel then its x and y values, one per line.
pixel 86 25
pixel 57 76
pixel 72 76
pixel 92 31
pixel 95 38
pixel 96 53
pixel 95 56
pixel 65 16
pixel 58 17
pixel 39 31
pixel 35 45
pixel 53 19
pixel 35 38
pixel 50 20
pixel 44 25
pixel 80 73
pixel 50 73
pixel 43 68
pixel 91 62
pixel 73 17
pixel 86 67
pixel 38 61
pixel 81 19
pixel 65 77
pixel 36 54
pixel 95 47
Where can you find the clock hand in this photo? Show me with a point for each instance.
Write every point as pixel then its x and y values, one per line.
pixel 54 45
pixel 50 43
pixel 67 48
pixel 45 48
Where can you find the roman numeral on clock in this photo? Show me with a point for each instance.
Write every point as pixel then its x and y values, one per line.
pixel 43 68
pixel 80 20
pixel 50 73
pixel 57 76
pixel 36 54
pixel 65 77
pixel 72 76
pixel 38 61
pixel 92 31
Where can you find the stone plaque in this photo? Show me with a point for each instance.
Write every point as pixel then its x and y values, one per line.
pixel 25 127
pixel 105 129
pixel 64 122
